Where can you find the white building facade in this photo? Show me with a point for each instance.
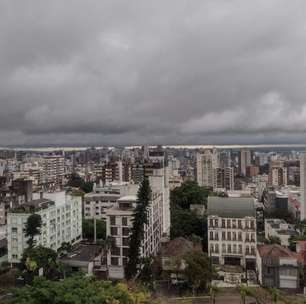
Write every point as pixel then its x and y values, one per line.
pixel 232 231
pixel 61 222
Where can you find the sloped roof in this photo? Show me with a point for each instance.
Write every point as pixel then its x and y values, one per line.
pixel 177 247
pixel 234 207
pixel 276 251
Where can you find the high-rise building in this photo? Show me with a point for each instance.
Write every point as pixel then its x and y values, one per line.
pixel 205 164
pixel 244 161
pixel 303 185
pixel 224 178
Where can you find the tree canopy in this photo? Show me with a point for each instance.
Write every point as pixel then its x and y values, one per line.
pixel 189 193
pixel 32 228
pixel 77 181
pixel 77 290
pixel 199 270
pixel 34 258
pixel 88 229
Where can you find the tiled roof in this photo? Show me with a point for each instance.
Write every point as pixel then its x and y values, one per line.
pixel 276 251
pixel 177 247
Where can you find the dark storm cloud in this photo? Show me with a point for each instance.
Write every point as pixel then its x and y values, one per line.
pixel 122 72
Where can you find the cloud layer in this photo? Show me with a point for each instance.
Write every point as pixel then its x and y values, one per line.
pixel 132 72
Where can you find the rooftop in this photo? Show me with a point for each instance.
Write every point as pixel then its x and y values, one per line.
pixel 177 247
pixel 233 207
pixel 276 251
pixel 82 252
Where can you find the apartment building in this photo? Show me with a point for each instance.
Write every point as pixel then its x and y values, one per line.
pixel 223 178
pixel 119 221
pixel 232 231
pixel 61 216
pixel 206 162
pixel 277 267
pixel 12 195
pixel 53 171
pixel 245 158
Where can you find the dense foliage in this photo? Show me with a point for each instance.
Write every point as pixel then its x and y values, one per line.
pixel 88 229
pixel 35 258
pixel 189 193
pixel 33 226
pixel 184 222
pixel 199 270
pixel 77 181
pixel 77 290
pixel 137 235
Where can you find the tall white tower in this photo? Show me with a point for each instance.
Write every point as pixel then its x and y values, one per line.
pixel 303 185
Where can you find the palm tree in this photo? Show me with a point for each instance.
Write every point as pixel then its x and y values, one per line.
pixel 213 291
pixel 244 292
pixel 275 294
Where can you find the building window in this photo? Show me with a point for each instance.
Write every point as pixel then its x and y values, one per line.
pixel 223 235
pixel 211 235
pixel 228 236
pixel 125 252
pixel 239 224
pixel 124 221
pixel 125 241
pixel 114 231
pixel 114 261
pixel 125 231
pixel 223 223
pixel 211 223
pixel 115 250
pixel 216 223
pixel 112 220
pixel 228 223
pixel 217 248
pixel 229 248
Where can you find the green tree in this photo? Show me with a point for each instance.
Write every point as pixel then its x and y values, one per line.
pixel 77 290
pixel 34 258
pixel 189 193
pixel 198 271
pixel 186 223
pixel 88 229
pixel 77 181
pixel 33 226
pixel 140 218
pixel 244 292
pixel 275 294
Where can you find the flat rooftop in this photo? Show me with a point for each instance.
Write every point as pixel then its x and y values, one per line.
pixel 231 207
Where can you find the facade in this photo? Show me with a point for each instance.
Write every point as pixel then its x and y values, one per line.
pixel 18 193
pixel 244 161
pixel 232 231
pixel 102 198
pixel 61 222
pixel 223 178
pixel 53 171
pixel 206 162
pixel 303 185
pixel 277 267
pixel 119 221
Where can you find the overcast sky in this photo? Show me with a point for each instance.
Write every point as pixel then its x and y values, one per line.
pixel 133 72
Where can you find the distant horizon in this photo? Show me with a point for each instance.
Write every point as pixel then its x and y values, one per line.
pixel 50 148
